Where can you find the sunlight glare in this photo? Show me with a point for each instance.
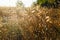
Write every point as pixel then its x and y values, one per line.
pixel 13 2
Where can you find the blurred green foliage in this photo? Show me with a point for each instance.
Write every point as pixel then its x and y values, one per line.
pixel 49 3
pixel 44 1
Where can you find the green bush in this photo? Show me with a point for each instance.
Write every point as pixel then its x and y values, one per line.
pixel 48 3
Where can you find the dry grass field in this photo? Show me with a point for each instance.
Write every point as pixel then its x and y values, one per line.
pixel 35 23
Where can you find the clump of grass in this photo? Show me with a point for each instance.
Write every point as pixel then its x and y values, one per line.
pixel 35 23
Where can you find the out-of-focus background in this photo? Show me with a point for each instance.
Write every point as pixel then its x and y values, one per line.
pixel 29 19
pixel 13 2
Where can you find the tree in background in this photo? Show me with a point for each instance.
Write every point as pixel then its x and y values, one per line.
pixel 49 3
pixel 19 3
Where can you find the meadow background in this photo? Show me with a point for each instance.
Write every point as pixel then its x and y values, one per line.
pixel 29 23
